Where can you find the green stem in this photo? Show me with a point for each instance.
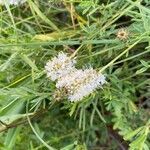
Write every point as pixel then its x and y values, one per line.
pixel 124 52
pixel 37 135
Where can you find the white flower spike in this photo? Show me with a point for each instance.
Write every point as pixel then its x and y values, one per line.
pixel 59 66
pixel 87 84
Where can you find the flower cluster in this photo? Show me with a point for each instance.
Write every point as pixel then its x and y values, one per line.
pixel 59 66
pixel 11 2
pixel 77 82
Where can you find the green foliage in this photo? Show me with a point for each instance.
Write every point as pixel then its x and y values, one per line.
pixel 114 117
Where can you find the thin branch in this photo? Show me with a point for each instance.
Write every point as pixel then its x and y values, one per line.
pixel 119 140
pixel 5 126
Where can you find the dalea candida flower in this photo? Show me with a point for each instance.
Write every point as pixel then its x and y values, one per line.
pixel 81 83
pixel 77 83
pixel 59 66
pixel 92 80
pixel 12 2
